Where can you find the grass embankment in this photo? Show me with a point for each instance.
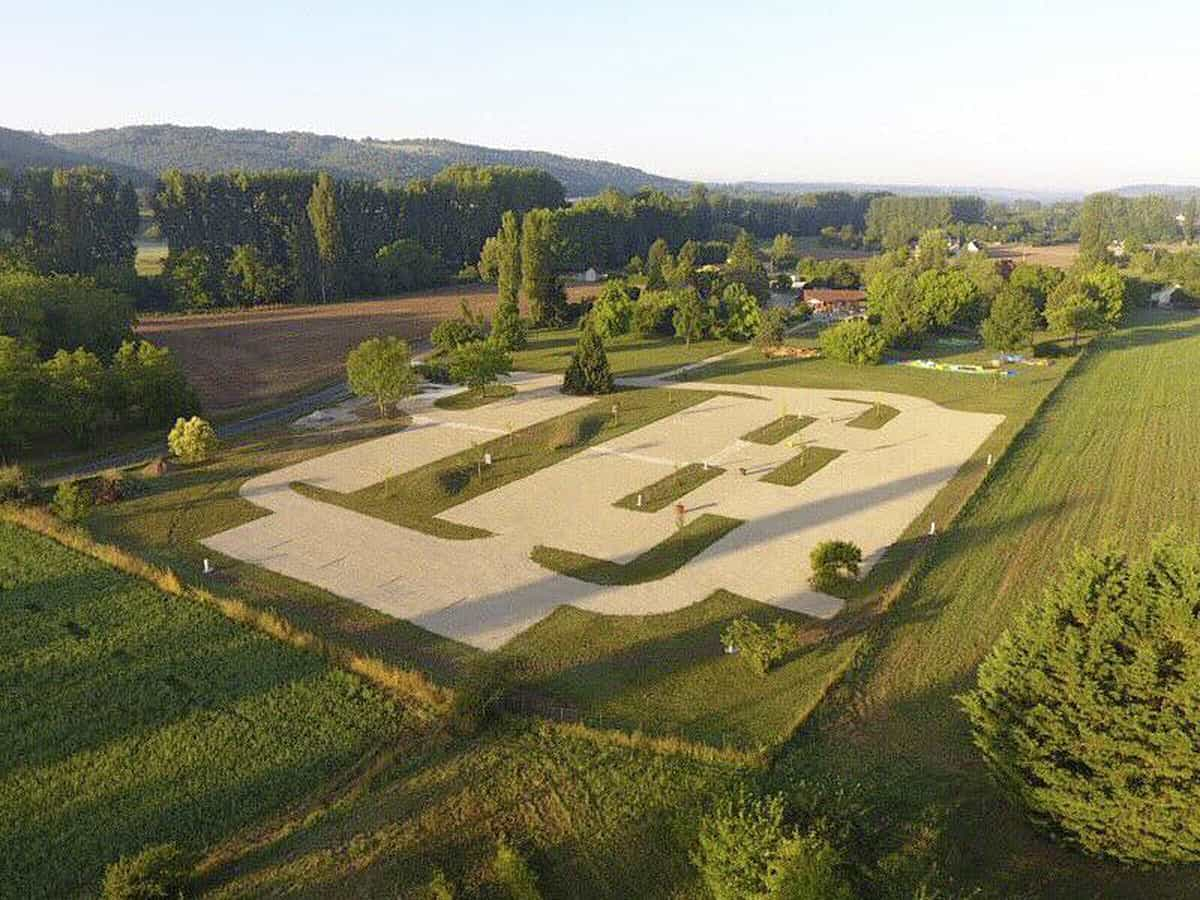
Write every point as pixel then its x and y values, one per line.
pixel 665 491
pixel 780 429
pixel 1114 456
pixel 664 558
pixel 134 717
pixel 628 355
pixel 476 397
pixel 414 499
pixel 803 465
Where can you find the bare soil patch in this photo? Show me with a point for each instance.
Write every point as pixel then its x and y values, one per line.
pixel 1061 256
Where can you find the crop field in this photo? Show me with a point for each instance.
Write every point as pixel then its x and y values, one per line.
pixel 1113 457
pixel 247 358
pixel 1061 256
pixel 133 718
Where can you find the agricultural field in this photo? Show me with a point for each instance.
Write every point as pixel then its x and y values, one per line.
pixel 1061 256
pixel 133 717
pixel 251 358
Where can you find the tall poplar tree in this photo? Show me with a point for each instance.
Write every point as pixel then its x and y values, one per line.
pixel 508 330
pixel 323 216
pixel 546 298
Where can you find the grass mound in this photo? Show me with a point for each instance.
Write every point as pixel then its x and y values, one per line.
pixel 802 466
pixel 780 429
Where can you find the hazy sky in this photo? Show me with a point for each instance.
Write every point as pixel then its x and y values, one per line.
pixel 1073 94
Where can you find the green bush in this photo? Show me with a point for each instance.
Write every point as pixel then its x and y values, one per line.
pixel 612 313
pixel 654 314
pixel 450 334
pixel 834 562
pixel 72 501
pixel 740 843
pixel 192 440
pixel 436 371
pixel 1086 708
pixel 855 341
pixel 588 371
pixel 514 874
pixel 156 872
pixel 760 647
pixel 15 485
pixel 440 887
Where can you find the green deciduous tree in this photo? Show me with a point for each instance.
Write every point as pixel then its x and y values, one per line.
pixel 784 252
pixel 855 341
pixel 1009 327
pixel 740 314
pixel 150 386
pixel 658 262
pixel 76 384
pixel 543 292
pixel 692 318
pixel 192 440
pixel 381 368
pixel 950 298
pixel 588 371
pixel 612 313
pixel 327 232
pixel 479 363
pixel 1071 310
pixel 1086 708
pixel 508 329
pixel 249 279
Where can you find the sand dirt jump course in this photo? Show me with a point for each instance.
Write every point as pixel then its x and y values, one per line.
pixel 485 591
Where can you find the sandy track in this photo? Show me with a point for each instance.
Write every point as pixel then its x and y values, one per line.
pixel 484 592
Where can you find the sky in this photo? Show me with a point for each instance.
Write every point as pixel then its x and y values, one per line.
pixel 1065 95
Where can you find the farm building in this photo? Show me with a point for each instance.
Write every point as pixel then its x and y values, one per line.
pixel 589 276
pixel 834 303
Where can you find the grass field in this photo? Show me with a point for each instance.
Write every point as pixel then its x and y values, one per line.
pixel 1061 256
pixel 132 718
pixel 808 462
pixel 628 355
pixel 781 429
pixel 150 257
pixel 1113 457
pixel 476 397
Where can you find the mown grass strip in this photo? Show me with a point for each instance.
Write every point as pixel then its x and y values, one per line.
pixel 476 397
pixel 803 465
pixel 778 430
pixel 666 491
pixel 876 417
pixel 403 515
pixel 663 559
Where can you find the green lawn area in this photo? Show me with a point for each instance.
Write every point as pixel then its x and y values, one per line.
pixel 414 499
pixel 874 418
pixel 476 397
pixel 150 257
pixel 133 718
pixel 1114 456
pixel 596 819
pixel 663 559
pixel 629 355
pixel 666 491
pixel 808 462
pixel 778 430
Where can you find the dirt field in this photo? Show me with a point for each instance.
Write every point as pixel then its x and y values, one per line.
pixel 246 358
pixel 1061 255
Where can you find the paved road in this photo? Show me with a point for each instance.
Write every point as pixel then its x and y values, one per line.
pixel 286 413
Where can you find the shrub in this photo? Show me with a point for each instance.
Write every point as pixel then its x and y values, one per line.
pixel 855 341
pixel 771 328
pixel 155 872
pixel 72 501
pixel 514 874
pixel 833 562
pixel 740 842
pixel 654 314
pixel 15 484
pixel 588 371
pixel 612 313
pixel 760 647
pixel 488 679
pixel 808 868
pixel 1086 708
pixel 450 334
pixel 110 486
pixel 192 440
pixel 440 887
pixel 479 363
pixel 435 371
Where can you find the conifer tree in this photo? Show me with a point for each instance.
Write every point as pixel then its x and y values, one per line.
pixel 588 372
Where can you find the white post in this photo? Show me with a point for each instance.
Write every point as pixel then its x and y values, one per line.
pixel 989 460
pixel 932 528
pixel 207 566
pixel 639 501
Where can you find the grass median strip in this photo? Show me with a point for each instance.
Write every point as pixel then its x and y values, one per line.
pixel 476 397
pixel 663 559
pixel 414 499
pixel 778 430
pixel 876 417
pixel 666 491
pixel 803 465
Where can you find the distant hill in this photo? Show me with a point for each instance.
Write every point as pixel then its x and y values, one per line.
pixel 154 148
pixel 995 194
pixel 21 150
pixel 1167 190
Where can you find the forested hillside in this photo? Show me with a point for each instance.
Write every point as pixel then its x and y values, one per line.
pixel 156 148
pixel 20 150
